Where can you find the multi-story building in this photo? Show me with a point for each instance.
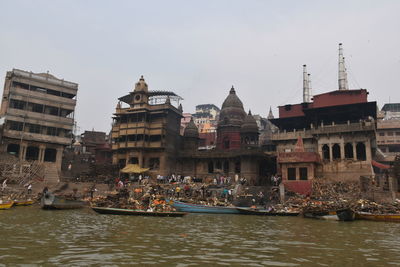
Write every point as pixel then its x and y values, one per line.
pixel 206 118
pixel 334 133
pixel 147 131
pixel 388 133
pixel 38 109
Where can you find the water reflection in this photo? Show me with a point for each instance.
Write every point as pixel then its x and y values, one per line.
pixel 33 236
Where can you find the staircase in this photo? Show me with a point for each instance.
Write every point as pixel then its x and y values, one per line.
pixel 51 174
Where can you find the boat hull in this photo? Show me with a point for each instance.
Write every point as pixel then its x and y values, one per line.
pixel 23 203
pixel 50 201
pixel 378 217
pixel 116 211
pixel 250 211
pixel 194 208
pixel 6 206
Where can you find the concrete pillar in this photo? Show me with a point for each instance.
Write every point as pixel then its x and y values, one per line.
pixel 368 150
pixel 330 152
pixel 42 150
pixel 59 157
pixel 297 173
pixel 22 151
pixel 354 151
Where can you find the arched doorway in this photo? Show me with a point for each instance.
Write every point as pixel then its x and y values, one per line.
pixel 325 152
pixel 348 151
pixel 336 151
pixel 361 152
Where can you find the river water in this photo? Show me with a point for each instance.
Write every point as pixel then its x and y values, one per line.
pixel 29 235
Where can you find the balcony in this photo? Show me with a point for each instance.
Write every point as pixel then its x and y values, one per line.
pixel 327 129
pixel 40 116
pixel 36 137
pixel 44 96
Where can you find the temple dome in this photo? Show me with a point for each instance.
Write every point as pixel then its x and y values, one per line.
pixel 249 125
pixel 232 112
pixel 191 130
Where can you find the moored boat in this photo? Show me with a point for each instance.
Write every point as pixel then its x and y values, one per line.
pixel 339 215
pixel 117 211
pixel 377 217
pixel 50 201
pixel 6 205
pixel 252 211
pixel 198 208
pixel 23 202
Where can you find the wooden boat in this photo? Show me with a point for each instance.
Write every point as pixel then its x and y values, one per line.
pixel 50 201
pixel 378 217
pixel 23 202
pixel 196 208
pixel 252 211
pixel 339 215
pixel 7 205
pixel 116 211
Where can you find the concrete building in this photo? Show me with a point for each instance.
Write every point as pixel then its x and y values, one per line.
pixel 38 109
pixel 206 118
pixel 338 127
pixel 388 133
pixel 147 130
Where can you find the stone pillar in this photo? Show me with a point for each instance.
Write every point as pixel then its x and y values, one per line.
pixel 354 151
pixel 22 151
pixel 330 152
pixel 342 156
pixel 42 150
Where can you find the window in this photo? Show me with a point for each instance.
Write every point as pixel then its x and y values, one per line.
pixel 381 134
pixel 210 167
pixel 17 104
pixel 303 174
pixel 291 173
pixel 51 131
pixel 15 125
pixel 361 153
pixel 34 128
pixel 348 151
pixel 336 151
pixel 389 133
pixel 325 152
pixel 398 133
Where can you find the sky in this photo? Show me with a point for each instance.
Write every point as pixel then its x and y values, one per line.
pixel 199 49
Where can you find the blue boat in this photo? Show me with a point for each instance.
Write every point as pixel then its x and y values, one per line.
pixel 196 208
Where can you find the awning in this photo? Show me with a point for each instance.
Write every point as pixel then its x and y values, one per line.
pixel 134 168
pixel 379 165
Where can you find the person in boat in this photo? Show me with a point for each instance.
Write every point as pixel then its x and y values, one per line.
pixel 45 190
pixel 29 189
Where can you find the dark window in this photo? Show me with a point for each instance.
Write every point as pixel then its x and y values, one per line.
pixel 303 173
pixel 50 155
pixel 210 167
pixel 134 160
pixel 218 165
pixel 325 152
pixel 361 153
pixel 336 151
pixel 237 167
pixel 348 151
pixel 32 153
pixel 13 149
pixel 155 138
pixel 35 107
pixel 51 110
pixel 381 134
pixel 18 104
pixel 34 128
pixel 15 125
pixel 398 133
pixel 51 131
pixel 291 173
pixel 226 167
pixel 389 133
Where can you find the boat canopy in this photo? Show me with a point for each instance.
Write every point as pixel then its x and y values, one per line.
pixel 134 168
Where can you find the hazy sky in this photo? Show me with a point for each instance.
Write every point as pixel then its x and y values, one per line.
pixel 199 49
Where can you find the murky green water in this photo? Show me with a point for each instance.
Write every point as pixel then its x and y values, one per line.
pixel 29 235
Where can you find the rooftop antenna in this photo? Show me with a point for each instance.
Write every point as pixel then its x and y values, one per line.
pixel 343 84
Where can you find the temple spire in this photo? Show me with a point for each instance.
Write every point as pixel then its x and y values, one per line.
pixel 306 89
pixel 343 84
pixel 270 115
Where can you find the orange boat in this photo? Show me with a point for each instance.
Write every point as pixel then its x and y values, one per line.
pixel 7 205
pixel 378 217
